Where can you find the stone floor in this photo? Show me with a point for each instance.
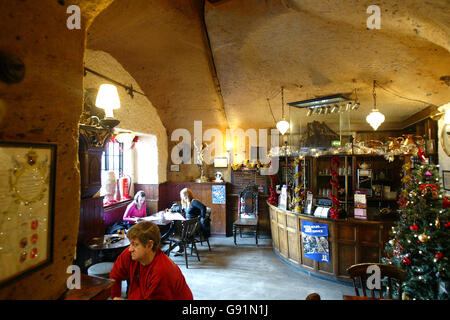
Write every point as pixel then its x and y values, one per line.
pixel 247 272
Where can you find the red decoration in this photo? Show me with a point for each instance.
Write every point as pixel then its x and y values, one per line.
pixel 421 154
pixel 446 203
pixel 414 227
pixel 447 224
pixel 406 261
pixel 273 199
pixel 334 213
pixel 439 255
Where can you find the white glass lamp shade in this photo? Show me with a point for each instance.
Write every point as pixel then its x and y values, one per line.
pixel 108 99
pixel 283 126
pixel 375 119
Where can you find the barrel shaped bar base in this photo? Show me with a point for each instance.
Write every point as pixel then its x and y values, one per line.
pixel 351 241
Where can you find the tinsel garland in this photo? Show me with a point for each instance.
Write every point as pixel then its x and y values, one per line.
pixel 334 211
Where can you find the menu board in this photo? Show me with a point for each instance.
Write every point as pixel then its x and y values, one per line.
pixel 26 207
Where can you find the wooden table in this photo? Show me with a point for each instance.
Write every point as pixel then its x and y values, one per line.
pixel 92 288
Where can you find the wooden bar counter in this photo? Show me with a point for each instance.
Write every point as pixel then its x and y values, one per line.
pixel 351 241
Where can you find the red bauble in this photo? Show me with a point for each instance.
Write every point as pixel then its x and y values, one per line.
pixel 439 255
pixel 406 261
pixel 414 227
pixel 447 224
pixel 446 203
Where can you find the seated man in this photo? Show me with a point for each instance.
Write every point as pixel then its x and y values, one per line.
pixel 152 274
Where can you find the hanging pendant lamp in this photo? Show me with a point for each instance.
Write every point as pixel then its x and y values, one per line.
pixel 282 125
pixel 375 118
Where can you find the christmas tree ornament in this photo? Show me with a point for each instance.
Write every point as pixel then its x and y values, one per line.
pixel 424 238
pixel 428 174
pixel 437 223
pixel 414 227
pixel 439 255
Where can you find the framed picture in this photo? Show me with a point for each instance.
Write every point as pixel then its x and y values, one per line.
pixel 446 179
pixel 175 167
pixel 27 182
pixel 221 162
pixel 218 194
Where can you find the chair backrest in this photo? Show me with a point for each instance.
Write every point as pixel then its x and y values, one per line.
pixel 190 227
pixel 208 213
pixel 248 202
pixel 389 271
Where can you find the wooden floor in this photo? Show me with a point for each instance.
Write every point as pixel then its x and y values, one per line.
pixel 247 272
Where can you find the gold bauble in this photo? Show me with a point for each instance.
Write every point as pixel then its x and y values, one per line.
pixel 424 238
pixel 404 296
pixel 437 223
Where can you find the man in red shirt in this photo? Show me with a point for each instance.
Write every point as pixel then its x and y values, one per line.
pixel 152 274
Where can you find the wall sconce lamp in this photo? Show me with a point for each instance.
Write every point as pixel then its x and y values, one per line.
pixel 108 99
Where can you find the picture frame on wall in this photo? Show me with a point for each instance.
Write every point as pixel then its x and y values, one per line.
pixel 446 179
pixel 174 167
pixel 27 192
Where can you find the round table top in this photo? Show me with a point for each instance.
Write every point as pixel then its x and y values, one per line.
pixel 102 243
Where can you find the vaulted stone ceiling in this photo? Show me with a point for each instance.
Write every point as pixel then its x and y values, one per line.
pixel 175 50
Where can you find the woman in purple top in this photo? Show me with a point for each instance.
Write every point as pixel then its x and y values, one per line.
pixel 136 209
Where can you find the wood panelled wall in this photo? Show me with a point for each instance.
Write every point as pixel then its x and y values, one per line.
pixel 162 196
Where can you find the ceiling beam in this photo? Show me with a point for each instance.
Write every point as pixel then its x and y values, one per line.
pixel 429 112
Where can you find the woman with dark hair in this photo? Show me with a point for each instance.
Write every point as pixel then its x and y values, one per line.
pixel 136 209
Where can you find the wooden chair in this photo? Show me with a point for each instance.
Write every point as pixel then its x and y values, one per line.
pixel 200 237
pixel 189 229
pixel 247 212
pixel 389 271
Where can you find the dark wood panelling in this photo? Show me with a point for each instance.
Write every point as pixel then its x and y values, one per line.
pixel 91 219
pixel 350 241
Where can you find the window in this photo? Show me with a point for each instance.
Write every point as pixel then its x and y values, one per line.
pixel 112 158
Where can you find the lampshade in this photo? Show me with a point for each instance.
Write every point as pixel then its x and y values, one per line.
pixel 108 99
pixel 283 126
pixel 375 119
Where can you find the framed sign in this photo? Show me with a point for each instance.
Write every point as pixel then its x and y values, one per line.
pixel 218 194
pixel 446 179
pixel 27 182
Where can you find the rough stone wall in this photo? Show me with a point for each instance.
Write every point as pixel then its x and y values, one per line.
pixel 136 114
pixel 45 107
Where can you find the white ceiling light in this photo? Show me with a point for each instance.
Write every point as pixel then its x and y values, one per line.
pixel 282 125
pixel 375 118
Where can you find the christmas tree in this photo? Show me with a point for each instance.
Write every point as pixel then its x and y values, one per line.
pixel 420 239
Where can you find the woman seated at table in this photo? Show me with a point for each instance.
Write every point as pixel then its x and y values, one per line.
pixel 192 209
pixel 136 209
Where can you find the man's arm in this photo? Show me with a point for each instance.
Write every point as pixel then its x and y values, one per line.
pixel 120 272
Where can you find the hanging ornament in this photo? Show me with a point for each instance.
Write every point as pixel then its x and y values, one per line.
pixel 446 203
pixel 437 223
pixel 423 238
pixel 406 261
pixel 439 255
pixel 428 174
pixel 447 224
pixel 414 227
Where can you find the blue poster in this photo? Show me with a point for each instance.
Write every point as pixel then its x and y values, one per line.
pixel 218 194
pixel 315 241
